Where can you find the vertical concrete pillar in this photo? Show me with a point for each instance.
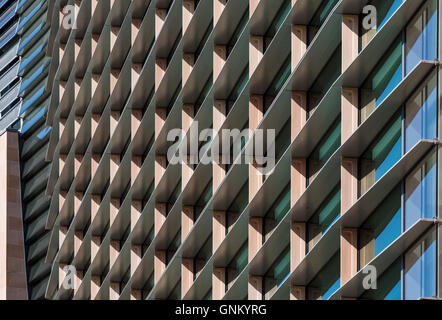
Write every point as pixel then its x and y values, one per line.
pixel 256 113
pixel 253 4
pixel 160 216
pixel 160 70
pixel 160 16
pixel 298 112
pixel 187 219
pixel 136 254
pixel 218 8
pixel 255 288
pixel 160 168
pixel 219 59
pixel 159 264
pixel 218 229
pixel 12 254
pixel 256 51
pixel 297 293
pixel 187 66
pixel 349 112
pixel 349 237
pixel 186 275
pixel 299 44
pixel 350 39
pixel 188 10
pixel 218 283
pixel 255 236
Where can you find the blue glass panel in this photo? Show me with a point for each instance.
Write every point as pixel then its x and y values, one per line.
pixel 421 114
pixel 394 6
pixel 420 269
pixel 420 192
pixel 422 36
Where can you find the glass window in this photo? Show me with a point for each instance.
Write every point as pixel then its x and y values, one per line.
pixel 420 192
pixel 381 228
pixel 421 36
pixel 327 281
pixel 326 78
pixel 237 264
pixel 386 76
pixel 382 154
pixel 420 269
pixel 324 218
pixel 325 149
pixel 278 210
pixel 277 273
pixel 388 286
pixel 319 18
pixel 421 114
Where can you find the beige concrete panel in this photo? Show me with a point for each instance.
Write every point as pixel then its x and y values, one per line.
pixel 256 51
pixel 187 219
pixel 297 293
pixel 160 216
pixel 188 10
pixel 299 112
pixel 350 112
pixel 219 59
pixel 298 181
pixel 218 8
pixel 299 44
pixel 187 66
pixel 255 236
pixel 255 288
pixel 186 275
pixel 297 243
pixel 349 254
pixel 218 229
pixel 350 39
pixel 349 183
pixel 218 283
pixel 159 264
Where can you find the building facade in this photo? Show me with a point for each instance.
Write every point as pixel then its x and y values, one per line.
pixel 342 204
pixel 24 64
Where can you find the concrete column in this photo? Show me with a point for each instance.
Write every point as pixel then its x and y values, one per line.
pixel 299 44
pixel 159 264
pixel 219 59
pixel 188 10
pixel 160 70
pixel 253 4
pixel 255 236
pixel 187 66
pixel 255 288
pixel 160 216
pixel 218 8
pixel 349 112
pixel 349 237
pixel 12 254
pixel 350 39
pixel 297 243
pixel 160 16
pixel 186 275
pixel 218 282
pixel 349 254
pixel 298 112
pixel 256 51
pixel 187 219
pixel 136 254
pixel 218 229
pixel 160 168
pixel 298 181
pixel 256 112
pixel 297 293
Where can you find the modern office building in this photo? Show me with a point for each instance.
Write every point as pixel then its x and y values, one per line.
pixel 24 97
pixel 350 89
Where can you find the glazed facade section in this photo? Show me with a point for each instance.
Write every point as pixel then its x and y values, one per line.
pixel 356 118
pixel 24 69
